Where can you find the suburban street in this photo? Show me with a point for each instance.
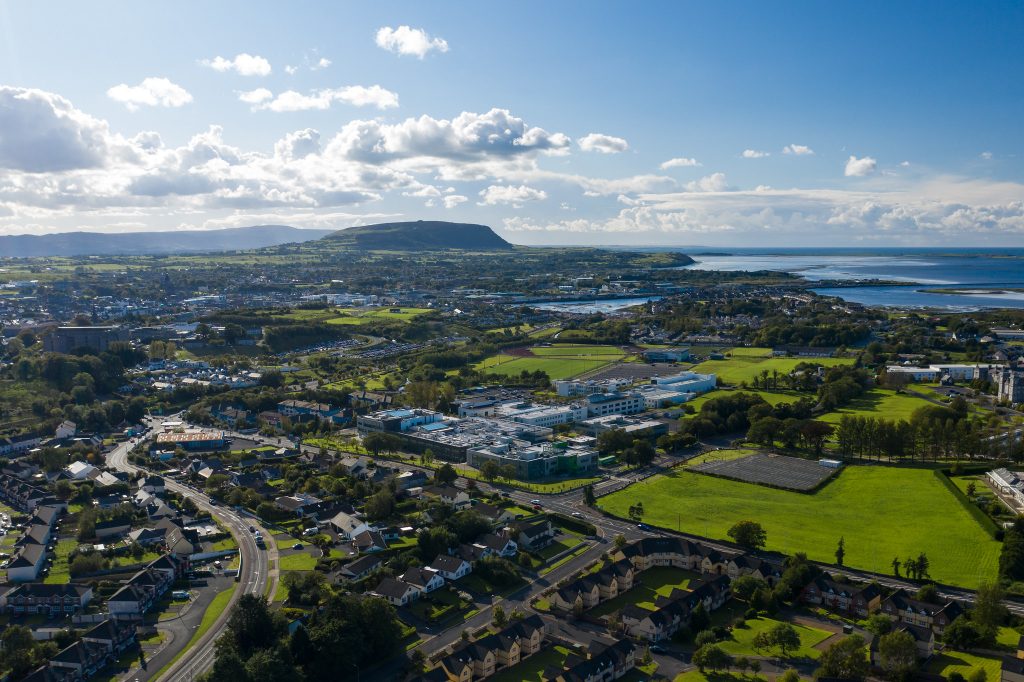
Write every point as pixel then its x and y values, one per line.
pixel 255 576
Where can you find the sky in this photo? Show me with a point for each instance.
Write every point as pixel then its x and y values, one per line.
pixel 675 123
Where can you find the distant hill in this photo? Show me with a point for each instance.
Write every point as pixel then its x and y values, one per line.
pixel 422 235
pixel 146 243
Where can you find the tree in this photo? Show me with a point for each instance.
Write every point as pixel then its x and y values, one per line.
pixel 748 534
pixel 620 541
pixel 743 588
pixel 972 489
pixel 490 470
pixel 588 496
pixel 446 475
pixel 878 625
pixel 785 637
pixel 896 566
pixel 977 675
pixel 381 504
pixel 922 566
pixel 928 593
pixel 897 653
pixel 711 656
pixel 252 626
pixel 845 659
pixel 791 675
pixel 434 541
pixel 989 612
pixel 499 618
pixel 840 551
pixel 636 512
pixel 963 634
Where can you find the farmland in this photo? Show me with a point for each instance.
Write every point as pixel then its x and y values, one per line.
pixel 881 512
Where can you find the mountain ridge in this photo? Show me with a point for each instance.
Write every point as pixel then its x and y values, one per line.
pixel 154 243
pixel 421 235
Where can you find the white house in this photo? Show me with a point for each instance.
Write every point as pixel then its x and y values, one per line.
pixel 450 567
pixel 424 580
pixel 348 525
pixel 398 592
pixel 67 429
pixel 79 471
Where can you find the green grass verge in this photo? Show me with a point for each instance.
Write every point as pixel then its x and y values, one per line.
pixel 297 562
pixel 210 616
pixel 742 642
pixel 881 403
pixel 882 512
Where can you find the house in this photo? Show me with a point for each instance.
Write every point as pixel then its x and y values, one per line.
pixel 457 667
pixel 531 632
pixel 859 599
pixel 449 495
pixel 37 534
pixel 397 592
pixel 605 663
pixel 899 606
pixel 924 639
pixel 110 635
pixel 48 600
pixel 79 661
pixel 297 504
pixel 450 567
pixel 411 479
pixel 361 567
pixel 148 536
pixel 369 541
pixel 499 544
pixel 665 551
pixel 348 525
pixel 496 515
pixel 479 656
pixel 624 574
pixel 26 564
pixel 1013 666
pixel 656 625
pixel 114 528
pixel 357 467
pixel 424 580
pixel 151 484
pixel 581 594
pixel 66 429
pixel 78 471
pixel 535 535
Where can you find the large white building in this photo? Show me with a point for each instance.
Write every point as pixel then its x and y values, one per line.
pixel 1011 385
pixel 577 389
pixel 601 404
pixel 541 415
pixel 687 382
pixel 1008 483
pixel 936 372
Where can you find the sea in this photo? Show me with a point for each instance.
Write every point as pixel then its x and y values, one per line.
pixel 982 278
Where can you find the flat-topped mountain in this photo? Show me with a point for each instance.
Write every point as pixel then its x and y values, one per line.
pixel 147 243
pixel 420 235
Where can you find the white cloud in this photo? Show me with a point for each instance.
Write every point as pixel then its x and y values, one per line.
pixel 680 162
pixel 710 183
pixel 453 200
pixel 291 70
pixel 255 96
pixel 905 164
pixel 322 63
pixel 986 155
pixel 797 150
pixel 43 132
pixel 860 167
pixel 244 64
pixel 298 145
pixel 151 92
pixel 510 195
pixel 603 144
pixel 754 154
pixel 406 40
pixel 356 95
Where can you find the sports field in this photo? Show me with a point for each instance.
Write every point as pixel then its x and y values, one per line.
pixel 882 512
pixel 879 402
pixel 562 361
pixel 746 367
pixel 771 397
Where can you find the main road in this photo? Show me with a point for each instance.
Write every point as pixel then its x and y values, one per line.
pixel 254 574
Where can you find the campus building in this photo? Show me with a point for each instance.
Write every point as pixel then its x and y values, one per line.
pixel 537 461
pixel 67 339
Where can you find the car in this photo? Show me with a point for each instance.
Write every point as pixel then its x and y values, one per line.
pixel 642 526
pixel 252 529
pixel 656 649
pixel 577 515
pixel 297 545
pixel 506 494
pixel 534 501
pixel 537 507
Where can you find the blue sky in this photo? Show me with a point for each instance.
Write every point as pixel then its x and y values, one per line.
pixel 789 123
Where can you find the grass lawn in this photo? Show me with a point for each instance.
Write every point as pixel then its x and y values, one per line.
pixel 698 676
pixel 439 605
pixel 879 402
pixel 297 562
pixel 650 584
pixel 749 352
pixel 531 668
pixel 745 368
pixel 578 350
pixel 474 583
pixel 771 397
pixel 561 544
pixel 742 640
pixel 365 316
pixel 556 367
pixel 950 661
pixel 60 570
pixel 882 512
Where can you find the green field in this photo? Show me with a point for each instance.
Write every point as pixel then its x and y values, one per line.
pixel 367 315
pixel 297 562
pixel 742 642
pixel 749 352
pixel 879 402
pixel 556 367
pixel 882 512
pixel 950 661
pixel 771 397
pixel 577 350
pixel 742 368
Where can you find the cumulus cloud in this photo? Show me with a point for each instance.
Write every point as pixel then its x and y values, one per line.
pixel 453 200
pixel 754 154
pixel 42 132
pixel 243 64
pixel 856 168
pixel 797 150
pixel 151 92
pixel 710 183
pixel 986 155
pixel 603 144
pixel 510 195
pixel 680 162
pixel 298 145
pixel 256 96
pixel 406 40
pixel 356 95
pixel 321 63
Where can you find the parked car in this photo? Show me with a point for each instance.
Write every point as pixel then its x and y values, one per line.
pixel 577 515
pixel 297 545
